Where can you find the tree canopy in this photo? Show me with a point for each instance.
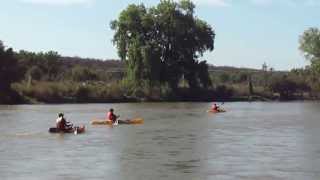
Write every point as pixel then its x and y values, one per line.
pixel 162 44
pixel 310 45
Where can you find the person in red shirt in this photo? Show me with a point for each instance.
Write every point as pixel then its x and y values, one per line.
pixel 215 107
pixel 111 116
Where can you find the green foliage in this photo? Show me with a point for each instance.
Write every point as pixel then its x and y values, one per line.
pixel 35 72
pixel 287 87
pixel 204 74
pixel 9 70
pixel 310 45
pixel 80 73
pixel 68 91
pixel 163 43
pixel 40 66
pixel 224 77
pixel 224 92
pixel 44 91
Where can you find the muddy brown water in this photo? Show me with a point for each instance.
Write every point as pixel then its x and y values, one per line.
pixel 264 141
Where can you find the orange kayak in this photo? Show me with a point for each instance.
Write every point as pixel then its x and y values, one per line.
pixel 216 111
pixel 109 122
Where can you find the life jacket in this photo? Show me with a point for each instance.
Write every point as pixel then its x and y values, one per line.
pixel 111 116
pixel 214 107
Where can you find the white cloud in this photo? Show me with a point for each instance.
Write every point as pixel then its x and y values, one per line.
pixel 58 2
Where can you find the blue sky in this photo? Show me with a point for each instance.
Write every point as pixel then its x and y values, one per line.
pixel 249 32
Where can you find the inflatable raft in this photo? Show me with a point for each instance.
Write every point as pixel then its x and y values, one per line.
pixel 75 130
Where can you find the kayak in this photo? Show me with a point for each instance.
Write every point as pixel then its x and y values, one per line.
pixel 75 130
pixel 109 122
pixel 216 111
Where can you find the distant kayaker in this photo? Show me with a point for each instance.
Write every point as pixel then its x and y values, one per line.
pixel 111 116
pixel 215 107
pixel 62 123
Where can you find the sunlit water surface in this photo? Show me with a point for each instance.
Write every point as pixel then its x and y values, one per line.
pixel 263 141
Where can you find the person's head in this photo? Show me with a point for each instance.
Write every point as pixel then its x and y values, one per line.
pixel 111 110
pixel 215 104
pixel 60 115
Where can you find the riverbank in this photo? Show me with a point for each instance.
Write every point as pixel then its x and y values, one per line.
pixel 46 92
pixel 74 100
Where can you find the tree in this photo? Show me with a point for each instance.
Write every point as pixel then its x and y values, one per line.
pixel 249 78
pixel 9 69
pixel 35 73
pixel 163 43
pixel 45 64
pixel 224 77
pixel 285 87
pixel 204 74
pixel 310 46
pixel 83 74
pixel 1 46
pixel 9 73
pixel 51 63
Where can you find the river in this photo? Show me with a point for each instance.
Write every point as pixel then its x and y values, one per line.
pixel 264 141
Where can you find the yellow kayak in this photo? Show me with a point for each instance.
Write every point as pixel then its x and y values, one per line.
pixel 109 122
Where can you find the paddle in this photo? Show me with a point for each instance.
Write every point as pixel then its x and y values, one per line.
pixel 117 121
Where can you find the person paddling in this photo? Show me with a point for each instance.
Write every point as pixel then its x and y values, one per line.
pixel 62 123
pixel 111 116
pixel 215 107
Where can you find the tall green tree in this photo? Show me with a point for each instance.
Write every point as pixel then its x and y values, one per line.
pixel 163 43
pixel 310 46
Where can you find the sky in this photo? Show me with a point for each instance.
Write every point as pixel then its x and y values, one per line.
pixel 248 32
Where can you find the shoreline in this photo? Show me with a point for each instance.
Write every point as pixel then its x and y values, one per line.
pixel 233 99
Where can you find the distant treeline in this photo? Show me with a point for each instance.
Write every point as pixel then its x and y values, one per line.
pixel 28 77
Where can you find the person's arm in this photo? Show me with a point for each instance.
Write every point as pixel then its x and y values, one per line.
pixel 115 117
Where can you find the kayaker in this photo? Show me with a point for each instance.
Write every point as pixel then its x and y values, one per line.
pixel 111 116
pixel 62 123
pixel 215 107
